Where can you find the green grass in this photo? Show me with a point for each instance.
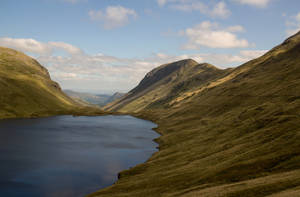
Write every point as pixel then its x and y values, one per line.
pixel 235 135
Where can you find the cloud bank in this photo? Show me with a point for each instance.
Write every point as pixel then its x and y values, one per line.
pixel 207 34
pixel 103 73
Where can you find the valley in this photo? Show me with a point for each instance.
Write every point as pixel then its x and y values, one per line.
pixel 224 132
pixel 231 132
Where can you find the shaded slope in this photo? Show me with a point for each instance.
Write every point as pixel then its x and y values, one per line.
pixel 237 135
pixel 26 88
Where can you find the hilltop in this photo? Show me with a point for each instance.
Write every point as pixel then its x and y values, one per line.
pixel 164 83
pixel 231 132
pixel 28 91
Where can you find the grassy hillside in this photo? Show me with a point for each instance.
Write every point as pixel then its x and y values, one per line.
pixel 26 89
pixel 237 134
pixel 165 83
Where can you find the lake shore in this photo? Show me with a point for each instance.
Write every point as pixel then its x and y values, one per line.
pixel 175 170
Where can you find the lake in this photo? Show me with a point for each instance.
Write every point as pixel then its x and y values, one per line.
pixel 70 156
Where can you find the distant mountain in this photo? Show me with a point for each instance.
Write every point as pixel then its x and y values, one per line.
pixel 114 97
pixel 95 99
pixel 233 132
pixel 88 98
pixel 26 88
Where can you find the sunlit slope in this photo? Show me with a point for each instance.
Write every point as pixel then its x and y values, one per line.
pixel 26 88
pixel 237 135
pixel 164 83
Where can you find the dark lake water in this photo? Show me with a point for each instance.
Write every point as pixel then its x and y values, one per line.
pixel 70 156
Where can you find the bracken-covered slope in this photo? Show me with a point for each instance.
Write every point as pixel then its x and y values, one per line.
pixel 26 89
pixel 235 135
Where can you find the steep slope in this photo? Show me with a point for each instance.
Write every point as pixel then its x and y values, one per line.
pixel 26 89
pixel 163 83
pixel 237 135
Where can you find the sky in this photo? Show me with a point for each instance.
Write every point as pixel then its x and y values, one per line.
pixel 105 46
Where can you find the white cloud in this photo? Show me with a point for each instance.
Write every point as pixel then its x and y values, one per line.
pixel 66 47
pixel 210 35
pixel 293 25
pixel 225 60
pixel 256 3
pixel 220 10
pixel 104 73
pixel 39 48
pixel 162 2
pixel 28 45
pixel 220 60
pixel 113 16
pixel 217 10
pixel 251 54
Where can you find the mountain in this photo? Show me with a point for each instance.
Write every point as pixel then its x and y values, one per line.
pixel 234 134
pixel 95 99
pixel 114 97
pixel 26 89
pixel 88 98
pixel 164 83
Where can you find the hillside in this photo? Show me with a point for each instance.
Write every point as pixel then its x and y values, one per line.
pixel 164 84
pixel 234 135
pixel 27 89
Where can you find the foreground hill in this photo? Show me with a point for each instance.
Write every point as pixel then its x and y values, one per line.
pixel 26 89
pixel 234 135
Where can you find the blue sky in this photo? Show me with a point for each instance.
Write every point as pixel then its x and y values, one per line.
pixel 103 46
